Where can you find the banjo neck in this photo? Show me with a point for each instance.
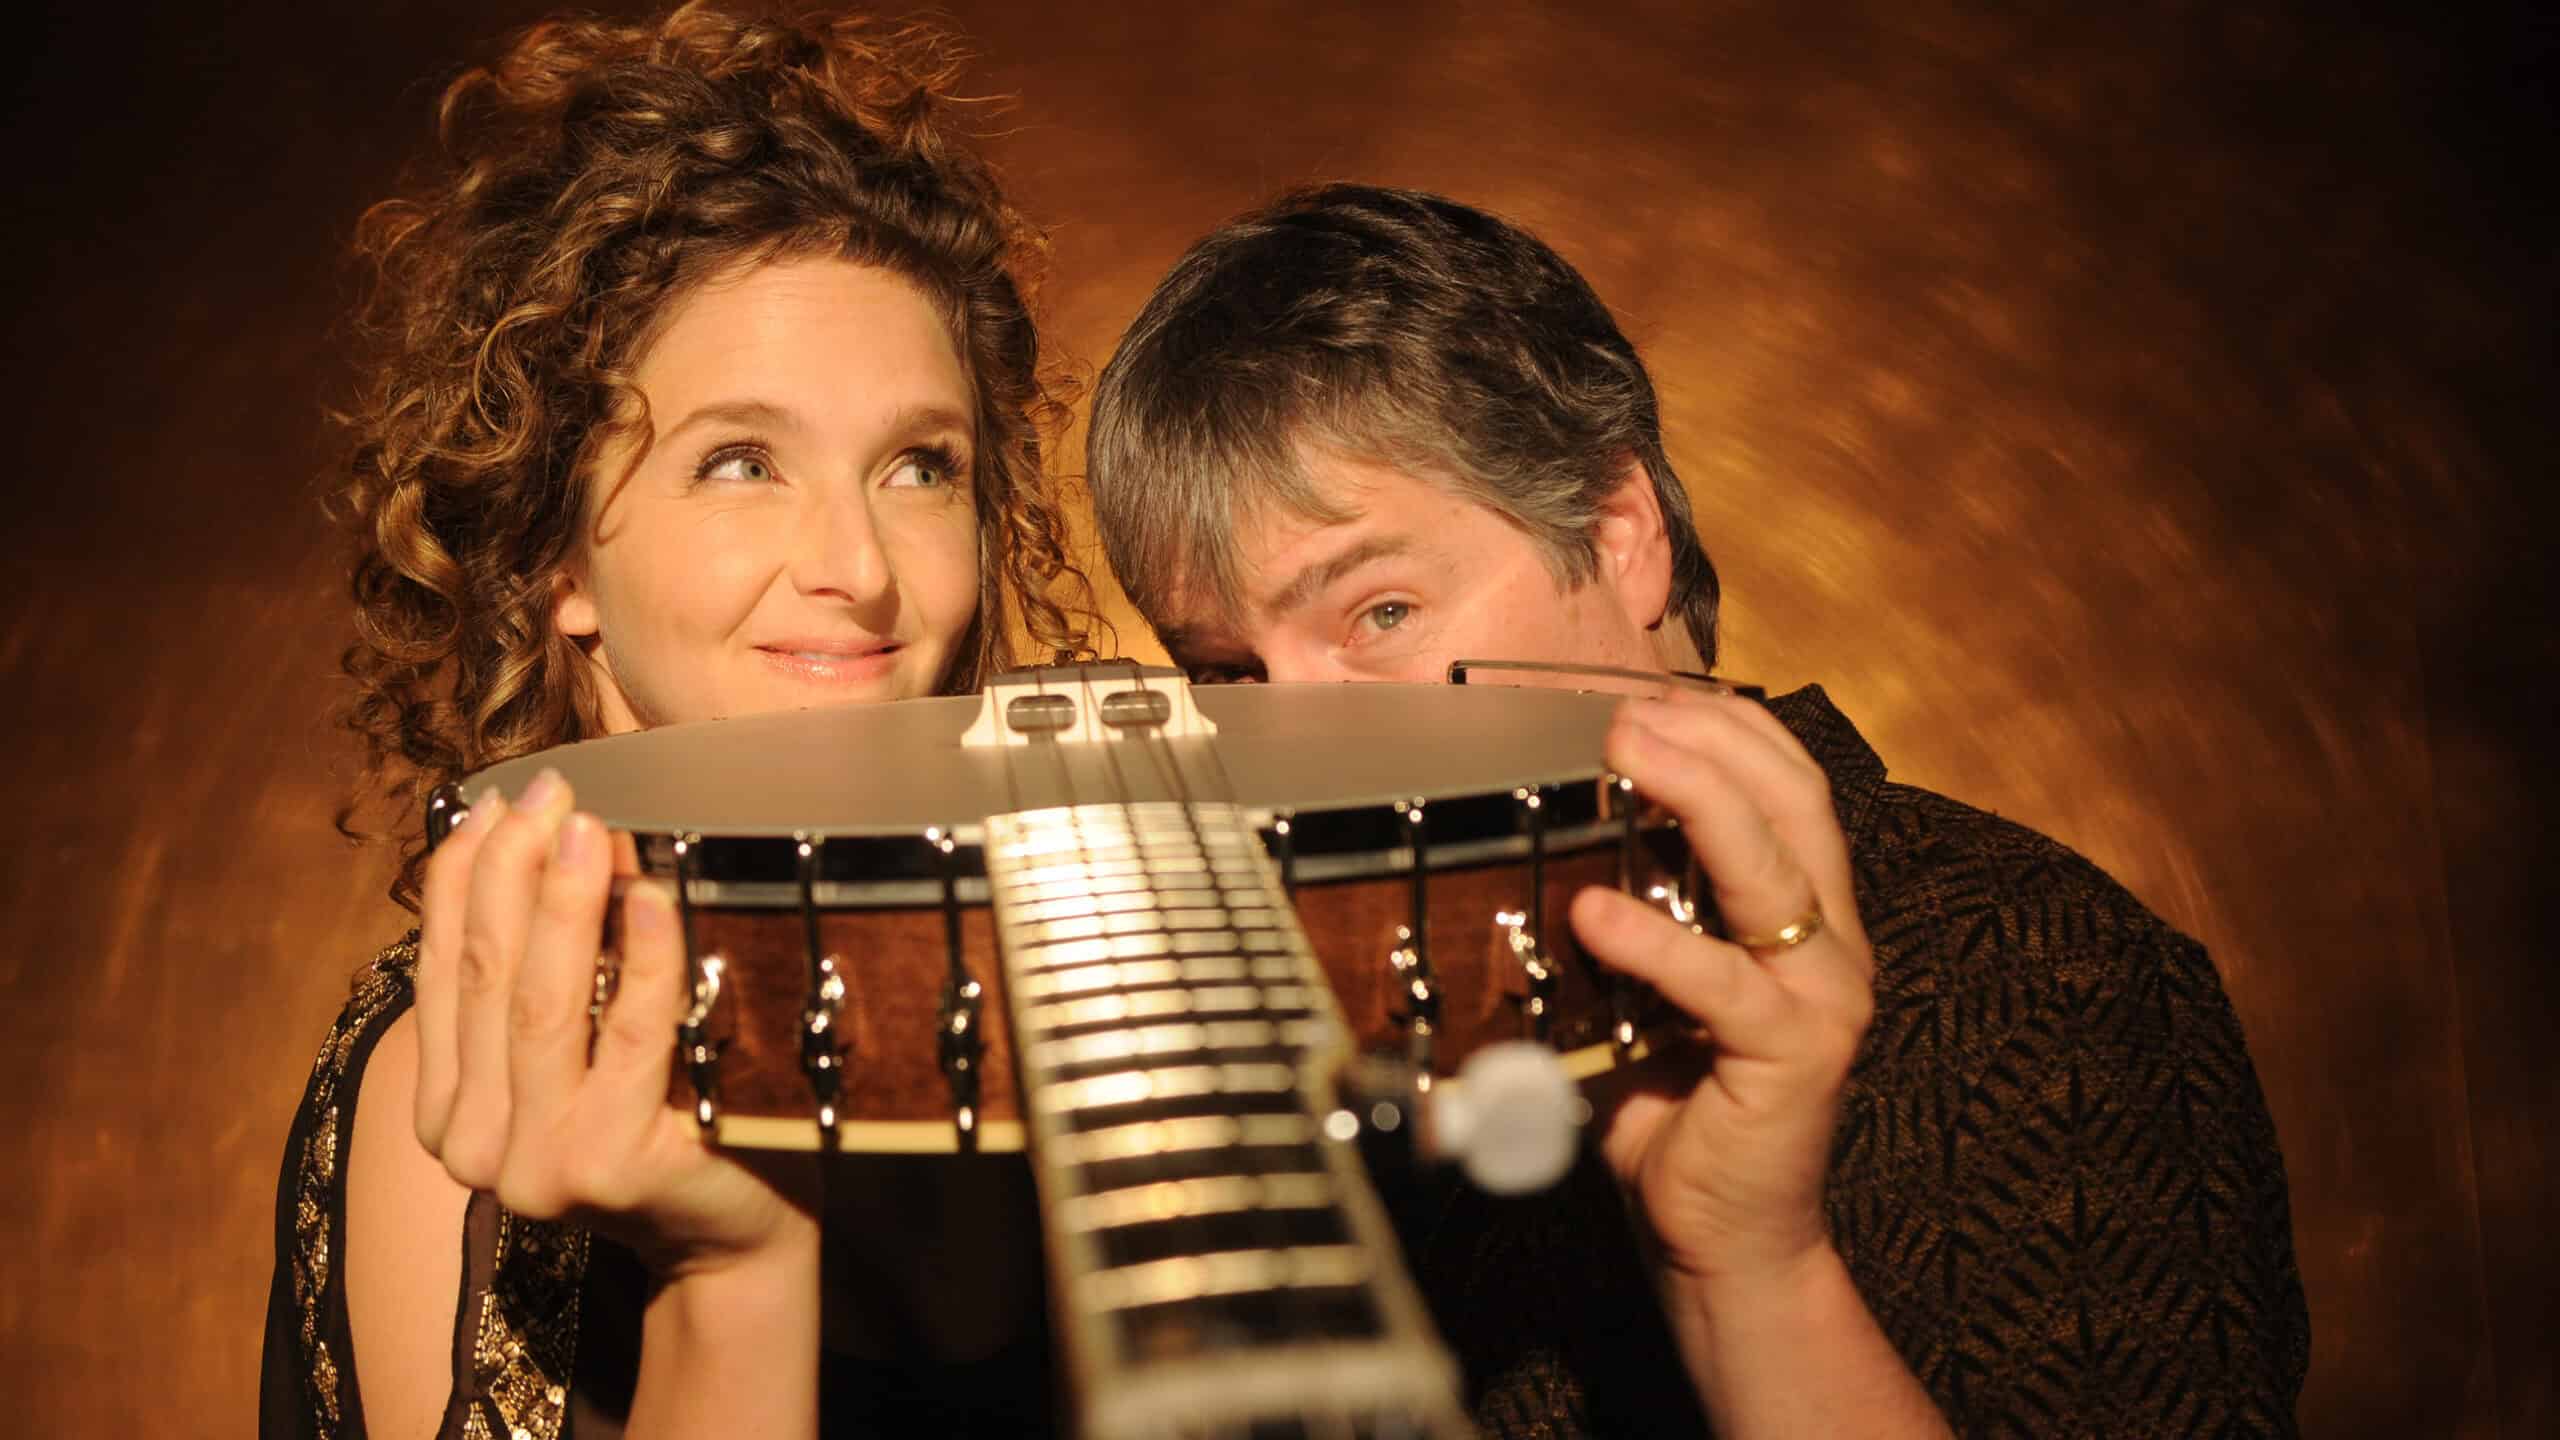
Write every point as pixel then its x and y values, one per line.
pixel 1218 1258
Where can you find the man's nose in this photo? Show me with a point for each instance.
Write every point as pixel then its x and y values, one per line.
pixel 1284 665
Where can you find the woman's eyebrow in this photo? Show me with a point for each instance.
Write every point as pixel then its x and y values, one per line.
pixel 759 414
pixel 914 419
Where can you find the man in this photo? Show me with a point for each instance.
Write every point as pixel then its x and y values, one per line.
pixel 1980 1147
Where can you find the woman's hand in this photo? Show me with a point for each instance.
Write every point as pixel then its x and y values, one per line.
pixel 509 1097
pixel 564 1116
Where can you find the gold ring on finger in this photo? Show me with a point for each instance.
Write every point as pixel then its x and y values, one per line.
pixel 608 980
pixel 1788 936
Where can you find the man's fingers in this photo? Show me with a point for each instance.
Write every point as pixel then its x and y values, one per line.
pixel 548 1026
pixel 1757 815
pixel 444 899
pixel 1744 1008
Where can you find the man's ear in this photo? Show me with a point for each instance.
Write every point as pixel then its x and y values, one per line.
pixel 573 605
pixel 1633 548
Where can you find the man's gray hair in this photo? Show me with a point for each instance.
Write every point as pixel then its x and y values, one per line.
pixel 1387 325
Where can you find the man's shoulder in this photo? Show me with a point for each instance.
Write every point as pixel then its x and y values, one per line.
pixel 1924 859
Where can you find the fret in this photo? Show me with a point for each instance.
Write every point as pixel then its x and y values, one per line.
pixel 1081 880
pixel 1176 1082
pixel 1059 1016
pixel 1139 922
pixel 1214 1330
pixel 1129 975
pixel 1028 848
pixel 1274 1054
pixel 1224 1232
pixel 1095 949
pixel 1135 1042
pixel 1076 906
pixel 1225 1164
pixel 1142 974
pixel 1198 1132
pixel 1065 953
pixel 1211 1195
pixel 1085 870
pixel 1225 1272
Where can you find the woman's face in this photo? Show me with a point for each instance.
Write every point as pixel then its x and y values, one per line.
pixel 795 525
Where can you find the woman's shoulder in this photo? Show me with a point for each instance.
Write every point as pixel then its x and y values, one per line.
pixel 378 994
pixel 308 1386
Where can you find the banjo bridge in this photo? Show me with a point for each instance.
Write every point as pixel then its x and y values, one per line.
pixel 1083 704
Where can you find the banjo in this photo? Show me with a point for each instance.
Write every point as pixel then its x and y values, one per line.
pixel 1188 948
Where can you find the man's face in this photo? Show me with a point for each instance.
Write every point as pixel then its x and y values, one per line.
pixel 1416 577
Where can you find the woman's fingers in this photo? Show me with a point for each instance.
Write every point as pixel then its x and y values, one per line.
pixel 444 900
pixel 635 1044
pixel 505 878
pixel 548 1026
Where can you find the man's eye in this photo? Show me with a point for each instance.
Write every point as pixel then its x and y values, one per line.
pixel 1387 616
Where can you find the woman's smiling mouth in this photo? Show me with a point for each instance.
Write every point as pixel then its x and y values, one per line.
pixel 825 663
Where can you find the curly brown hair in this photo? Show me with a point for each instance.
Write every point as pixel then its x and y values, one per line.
pixel 593 174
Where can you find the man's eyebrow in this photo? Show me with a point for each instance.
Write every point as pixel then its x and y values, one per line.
pixel 1315 578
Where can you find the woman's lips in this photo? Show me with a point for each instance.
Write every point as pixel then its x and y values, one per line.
pixel 825 665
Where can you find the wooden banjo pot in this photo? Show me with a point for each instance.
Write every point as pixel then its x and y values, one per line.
pixel 1226 931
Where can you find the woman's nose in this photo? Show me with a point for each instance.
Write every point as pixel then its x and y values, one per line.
pixel 839 550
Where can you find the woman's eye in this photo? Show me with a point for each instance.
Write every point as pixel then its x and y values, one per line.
pixel 745 466
pixel 923 470
pixel 1388 615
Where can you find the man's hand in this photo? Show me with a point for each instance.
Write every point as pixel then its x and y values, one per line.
pixel 1728 1167
pixel 1730 1172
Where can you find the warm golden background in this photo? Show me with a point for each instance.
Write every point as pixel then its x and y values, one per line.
pixel 2139 421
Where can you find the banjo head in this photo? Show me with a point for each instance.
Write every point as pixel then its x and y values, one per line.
pixel 898 768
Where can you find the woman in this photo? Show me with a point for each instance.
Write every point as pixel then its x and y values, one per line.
pixel 708 387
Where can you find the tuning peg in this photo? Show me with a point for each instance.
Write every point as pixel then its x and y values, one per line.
pixel 1511 1118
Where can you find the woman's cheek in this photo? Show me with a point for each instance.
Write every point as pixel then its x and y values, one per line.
pixel 716 587
pixel 944 569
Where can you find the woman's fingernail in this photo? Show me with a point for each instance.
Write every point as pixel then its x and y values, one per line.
pixel 651 909
pixel 576 843
pixel 545 788
pixel 491 809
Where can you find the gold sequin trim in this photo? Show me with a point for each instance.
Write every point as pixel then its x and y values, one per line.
pixel 315 1208
pixel 526 1340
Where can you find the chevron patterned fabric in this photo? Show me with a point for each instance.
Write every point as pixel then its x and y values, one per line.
pixel 2055 1179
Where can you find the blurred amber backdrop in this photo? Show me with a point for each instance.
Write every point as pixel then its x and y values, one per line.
pixel 2139 422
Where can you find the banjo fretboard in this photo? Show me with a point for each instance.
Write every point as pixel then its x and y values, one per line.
pixel 1221 1264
